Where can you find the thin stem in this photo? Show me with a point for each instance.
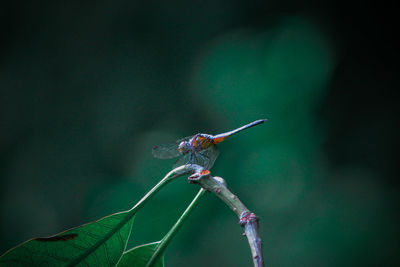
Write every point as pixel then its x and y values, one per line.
pixel 172 232
pixel 247 219
pixel 182 170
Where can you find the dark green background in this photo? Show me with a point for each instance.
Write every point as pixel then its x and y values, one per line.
pixel 87 88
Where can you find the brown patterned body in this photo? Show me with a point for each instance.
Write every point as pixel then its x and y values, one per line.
pixel 201 141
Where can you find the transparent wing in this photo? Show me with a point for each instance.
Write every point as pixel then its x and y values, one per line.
pixel 168 151
pixel 206 157
pixel 185 159
pixel 165 151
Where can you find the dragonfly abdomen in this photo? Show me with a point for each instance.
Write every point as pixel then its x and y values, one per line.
pixel 221 137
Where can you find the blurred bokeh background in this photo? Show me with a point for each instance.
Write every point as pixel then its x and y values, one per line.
pixel 87 88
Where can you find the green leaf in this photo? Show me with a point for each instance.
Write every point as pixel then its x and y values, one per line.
pixel 99 243
pixel 139 256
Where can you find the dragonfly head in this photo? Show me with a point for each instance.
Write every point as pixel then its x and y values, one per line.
pixel 184 147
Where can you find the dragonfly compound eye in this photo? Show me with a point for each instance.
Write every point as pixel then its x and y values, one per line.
pixel 184 147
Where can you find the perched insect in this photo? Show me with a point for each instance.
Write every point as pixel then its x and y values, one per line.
pixel 200 149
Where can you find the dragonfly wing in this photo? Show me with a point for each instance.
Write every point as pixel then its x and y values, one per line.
pixel 206 157
pixel 185 159
pixel 165 151
pixel 168 151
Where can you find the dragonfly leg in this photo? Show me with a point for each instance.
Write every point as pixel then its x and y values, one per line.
pixel 204 156
pixel 204 162
pixel 190 160
pixel 196 160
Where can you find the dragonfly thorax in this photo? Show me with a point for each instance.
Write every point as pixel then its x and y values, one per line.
pixel 184 147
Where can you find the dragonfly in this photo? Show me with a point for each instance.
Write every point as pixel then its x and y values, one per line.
pixel 200 149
